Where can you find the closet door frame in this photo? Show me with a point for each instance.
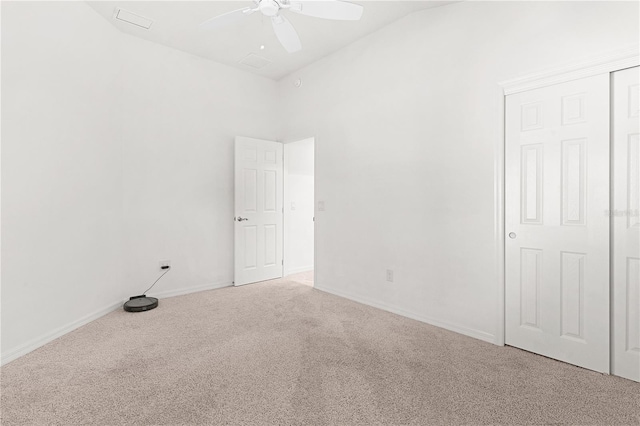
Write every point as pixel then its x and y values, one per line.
pixel 614 61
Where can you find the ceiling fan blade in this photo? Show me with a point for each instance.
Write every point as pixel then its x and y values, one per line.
pixel 286 34
pixel 226 19
pixel 328 9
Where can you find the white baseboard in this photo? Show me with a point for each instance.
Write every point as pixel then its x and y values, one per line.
pixel 188 290
pixel 477 334
pixel 34 344
pixel 37 342
pixel 297 270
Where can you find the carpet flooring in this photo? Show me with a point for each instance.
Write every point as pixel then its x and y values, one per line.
pixel 284 353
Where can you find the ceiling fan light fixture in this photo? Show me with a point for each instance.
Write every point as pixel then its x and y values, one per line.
pixel 269 7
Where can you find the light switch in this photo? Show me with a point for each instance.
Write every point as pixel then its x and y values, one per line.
pixel 320 206
pixel 293 205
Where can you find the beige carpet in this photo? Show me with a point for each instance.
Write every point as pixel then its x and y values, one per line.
pixel 284 353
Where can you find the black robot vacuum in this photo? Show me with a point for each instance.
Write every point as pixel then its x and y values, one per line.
pixel 143 303
pixel 140 304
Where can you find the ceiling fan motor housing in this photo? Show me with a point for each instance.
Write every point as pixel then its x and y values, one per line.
pixel 269 7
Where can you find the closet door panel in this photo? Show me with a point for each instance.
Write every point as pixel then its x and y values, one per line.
pixel 557 231
pixel 625 217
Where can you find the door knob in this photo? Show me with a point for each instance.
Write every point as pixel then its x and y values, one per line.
pixel 240 219
pixel 512 235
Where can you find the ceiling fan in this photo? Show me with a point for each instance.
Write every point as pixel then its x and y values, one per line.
pixel 287 35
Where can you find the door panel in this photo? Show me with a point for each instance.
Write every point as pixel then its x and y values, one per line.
pixel 626 224
pixel 258 209
pixel 557 243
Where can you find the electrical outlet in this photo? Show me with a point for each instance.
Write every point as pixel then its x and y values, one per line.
pixel 165 263
pixel 389 275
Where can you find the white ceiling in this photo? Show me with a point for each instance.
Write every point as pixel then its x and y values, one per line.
pixel 176 25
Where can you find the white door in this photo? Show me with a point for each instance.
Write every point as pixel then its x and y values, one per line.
pixel 626 224
pixel 557 232
pixel 258 210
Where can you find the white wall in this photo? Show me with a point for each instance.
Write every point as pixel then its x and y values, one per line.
pixel 405 122
pixel 98 126
pixel 180 116
pixel 298 206
pixel 116 154
pixel 61 170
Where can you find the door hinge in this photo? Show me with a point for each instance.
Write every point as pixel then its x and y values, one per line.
pixel 282 262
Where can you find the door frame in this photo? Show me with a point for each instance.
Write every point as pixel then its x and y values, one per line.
pixel 617 60
pixel 315 213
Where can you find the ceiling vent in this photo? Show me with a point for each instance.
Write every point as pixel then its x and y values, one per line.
pixel 254 61
pixel 132 18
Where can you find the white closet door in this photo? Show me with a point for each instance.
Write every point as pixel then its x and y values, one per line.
pixel 626 224
pixel 258 209
pixel 557 232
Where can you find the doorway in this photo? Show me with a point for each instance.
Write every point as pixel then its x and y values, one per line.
pixel 299 196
